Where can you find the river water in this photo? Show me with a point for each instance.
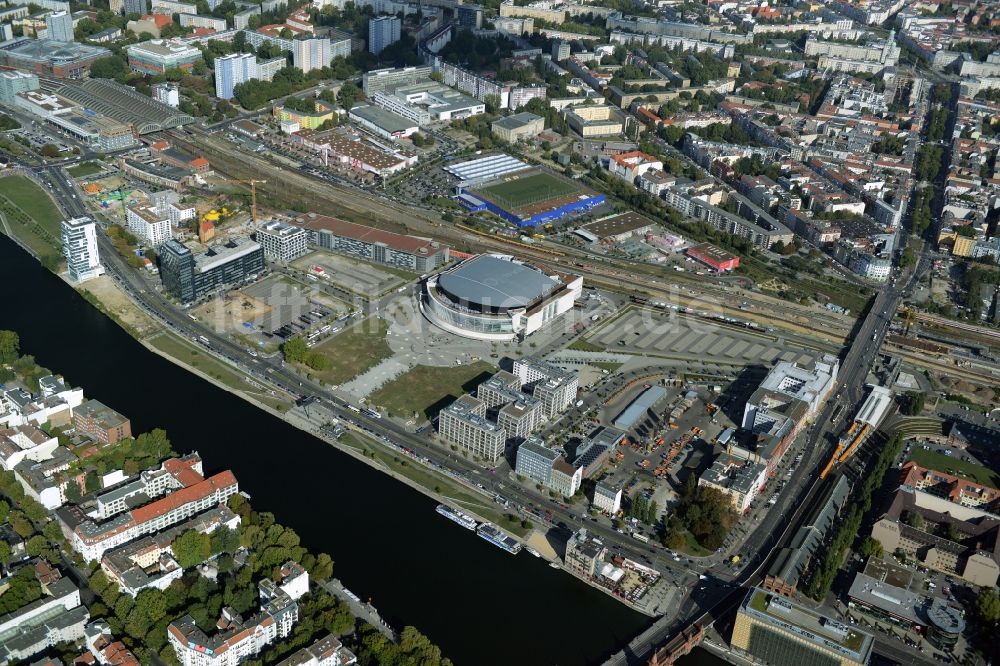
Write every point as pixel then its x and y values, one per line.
pixel 481 605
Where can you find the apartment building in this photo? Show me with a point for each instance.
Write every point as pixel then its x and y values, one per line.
pixel 92 539
pixel 237 638
pixel 232 70
pixel 326 651
pixel 464 424
pixel 282 242
pixel 148 225
pixel 552 386
pixel 79 247
pixel 55 618
pixel 383 31
pixel 101 423
pixel 740 480
pixel 310 52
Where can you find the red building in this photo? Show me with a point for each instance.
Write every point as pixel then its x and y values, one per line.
pixel 713 257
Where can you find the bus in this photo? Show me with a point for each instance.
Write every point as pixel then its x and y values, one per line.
pixel 354 409
pixel 640 537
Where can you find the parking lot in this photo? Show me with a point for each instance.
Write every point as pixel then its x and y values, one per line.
pixel 271 310
pixel 674 335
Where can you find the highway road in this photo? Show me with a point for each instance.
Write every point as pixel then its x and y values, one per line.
pixel 273 372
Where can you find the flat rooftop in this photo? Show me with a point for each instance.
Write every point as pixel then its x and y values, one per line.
pixel 387 120
pixel 496 283
pixel 617 225
pixel 808 625
pixel 403 243
pixel 516 121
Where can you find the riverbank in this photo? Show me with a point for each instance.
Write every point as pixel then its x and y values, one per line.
pixel 389 544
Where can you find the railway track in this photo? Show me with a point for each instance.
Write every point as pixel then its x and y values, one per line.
pixel 372 209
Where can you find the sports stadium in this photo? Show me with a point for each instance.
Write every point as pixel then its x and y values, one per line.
pixel 497 297
pixel 530 197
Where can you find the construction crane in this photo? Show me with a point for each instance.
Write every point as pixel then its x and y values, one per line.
pixel 253 193
pixel 908 321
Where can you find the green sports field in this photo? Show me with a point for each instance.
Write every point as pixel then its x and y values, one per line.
pixel 519 191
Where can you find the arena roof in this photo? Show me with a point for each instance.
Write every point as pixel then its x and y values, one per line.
pixel 491 166
pixel 496 283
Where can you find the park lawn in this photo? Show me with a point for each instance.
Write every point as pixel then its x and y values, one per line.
pixel 585 346
pixel 610 366
pixel 427 389
pixel 354 351
pixel 34 201
pixel 84 169
pixel 951 465
pixel 189 354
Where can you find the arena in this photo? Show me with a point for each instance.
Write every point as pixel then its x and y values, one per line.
pixel 497 297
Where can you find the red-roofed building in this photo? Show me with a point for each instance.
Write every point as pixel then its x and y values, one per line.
pixel 91 539
pixel 630 166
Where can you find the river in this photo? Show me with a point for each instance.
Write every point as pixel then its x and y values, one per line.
pixel 481 605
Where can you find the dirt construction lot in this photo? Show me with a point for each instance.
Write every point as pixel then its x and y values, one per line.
pixel 355 276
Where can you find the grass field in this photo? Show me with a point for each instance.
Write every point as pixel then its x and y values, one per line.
pixel 426 390
pixel 354 351
pixel 190 354
pixel 585 346
pixel 84 169
pixel 454 493
pixel 34 201
pixel 32 217
pixel 517 192
pixel 949 464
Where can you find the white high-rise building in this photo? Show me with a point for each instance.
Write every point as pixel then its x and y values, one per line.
pixel 231 70
pixel 79 246
pixel 60 26
pixel 383 31
pixel 149 225
pixel 309 53
pixel 168 93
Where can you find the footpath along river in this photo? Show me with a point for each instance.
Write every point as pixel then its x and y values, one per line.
pixel 481 605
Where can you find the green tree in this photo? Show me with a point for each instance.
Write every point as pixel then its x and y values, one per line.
pixel 988 606
pixel 4 511
pixel 49 150
pixel 191 548
pixel 295 350
pixel 36 545
pixel 112 67
pixel 4 552
pixel 870 547
pixel 10 346
pixel 350 94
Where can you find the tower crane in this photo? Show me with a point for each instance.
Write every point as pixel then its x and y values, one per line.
pixel 253 193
